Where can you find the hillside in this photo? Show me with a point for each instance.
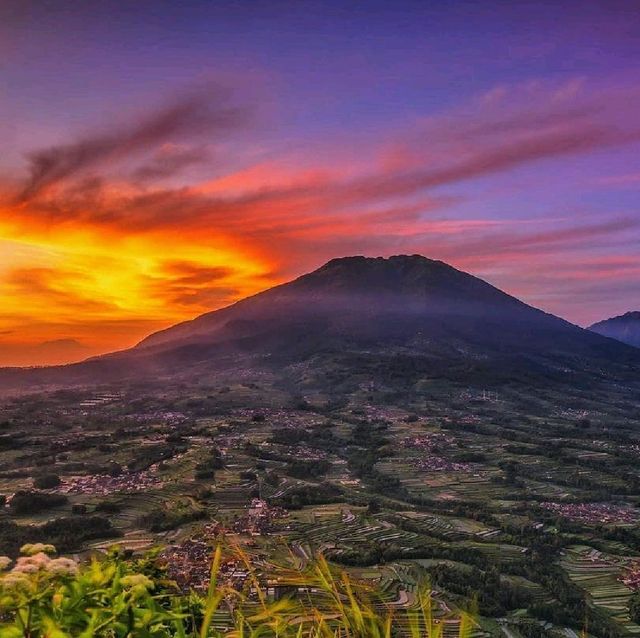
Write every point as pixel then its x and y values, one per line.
pixel 367 315
pixel 401 419
pixel 625 328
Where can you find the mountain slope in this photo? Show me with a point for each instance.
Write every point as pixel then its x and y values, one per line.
pixel 345 293
pixel 625 328
pixel 368 316
pixel 403 300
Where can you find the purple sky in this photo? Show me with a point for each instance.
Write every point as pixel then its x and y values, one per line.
pixel 267 137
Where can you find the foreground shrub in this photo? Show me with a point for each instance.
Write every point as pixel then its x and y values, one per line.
pixel 46 597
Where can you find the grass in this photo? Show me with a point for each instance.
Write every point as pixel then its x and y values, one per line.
pixel 45 597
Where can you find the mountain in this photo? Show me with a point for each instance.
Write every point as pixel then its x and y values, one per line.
pixel 625 328
pixel 356 296
pixel 397 319
pixel 409 303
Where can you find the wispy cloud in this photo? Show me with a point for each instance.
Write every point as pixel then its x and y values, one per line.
pixel 204 112
pixel 627 179
pixel 171 160
pixel 148 222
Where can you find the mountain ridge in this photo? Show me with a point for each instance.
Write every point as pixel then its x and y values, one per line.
pixel 421 315
pixel 624 328
pixel 351 275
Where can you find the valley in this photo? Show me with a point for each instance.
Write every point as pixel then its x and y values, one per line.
pixel 319 319
pixel 399 418
pixel 528 500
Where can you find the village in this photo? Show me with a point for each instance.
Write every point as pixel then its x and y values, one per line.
pixel 595 513
pixel 183 476
pixel 188 562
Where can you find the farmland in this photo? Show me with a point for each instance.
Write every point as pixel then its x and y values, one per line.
pixel 528 504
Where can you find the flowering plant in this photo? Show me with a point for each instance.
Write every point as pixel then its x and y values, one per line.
pixel 42 596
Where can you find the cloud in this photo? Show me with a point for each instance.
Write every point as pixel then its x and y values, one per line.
pixel 530 124
pixel 311 203
pixel 170 160
pixel 556 238
pixel 193 285
pixel 493 159
pixel 200 113
pixel 124 239
pixel 190 273
pixel 52 286
pixel 533 125
pixel 627 179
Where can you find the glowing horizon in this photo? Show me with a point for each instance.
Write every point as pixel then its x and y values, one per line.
pixel 224 161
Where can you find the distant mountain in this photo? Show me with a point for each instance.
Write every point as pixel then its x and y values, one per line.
pixel 625 328
pixel 53 352
pixel 401 318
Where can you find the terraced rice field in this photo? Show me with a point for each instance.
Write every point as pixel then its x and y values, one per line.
pixel 448 526
pixel 447 485
pixel 598 575
pixel 357 532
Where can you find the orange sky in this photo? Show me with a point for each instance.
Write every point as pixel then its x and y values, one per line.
pixel 109 234
pixel 159 160
pixel 72 290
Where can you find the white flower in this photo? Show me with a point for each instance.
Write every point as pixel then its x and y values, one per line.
pixel 37 548
pixel 5 561
pixel 31 564
pixel 25 569
pixel 15 580
pixel 63 566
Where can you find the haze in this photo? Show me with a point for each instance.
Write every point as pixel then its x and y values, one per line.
pixel 160 160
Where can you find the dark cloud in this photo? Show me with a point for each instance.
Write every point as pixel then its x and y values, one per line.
pixel 184 272
pixel 202 113
pixel 186 283
pixel 170 161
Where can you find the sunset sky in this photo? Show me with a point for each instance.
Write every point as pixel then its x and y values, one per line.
pixel 161 159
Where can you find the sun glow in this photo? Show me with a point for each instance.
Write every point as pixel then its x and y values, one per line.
pixel 107 290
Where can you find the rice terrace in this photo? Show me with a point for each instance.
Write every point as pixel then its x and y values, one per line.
pixel 319 319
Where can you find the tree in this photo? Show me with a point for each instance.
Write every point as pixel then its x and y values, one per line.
pixel 29 502
pixel 46 481
pixel 634 608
